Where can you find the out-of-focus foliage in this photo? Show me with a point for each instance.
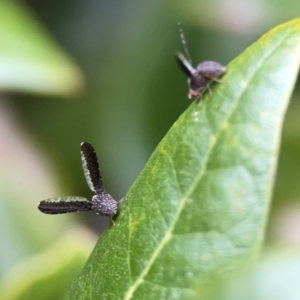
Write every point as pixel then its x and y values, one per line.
pixel 48 274
pixel 274 277
pixel 26 176
pixel 30 61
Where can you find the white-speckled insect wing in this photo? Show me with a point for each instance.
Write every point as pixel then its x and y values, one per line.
pixel 62 205
pixel 91 168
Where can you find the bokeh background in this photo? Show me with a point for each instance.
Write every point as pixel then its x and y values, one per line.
pixel 104 72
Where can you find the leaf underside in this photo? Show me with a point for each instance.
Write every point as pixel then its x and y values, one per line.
pixel 200 205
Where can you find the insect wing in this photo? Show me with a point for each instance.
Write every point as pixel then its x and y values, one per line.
pixel 62 205
pixel 91 168
pixel 184 64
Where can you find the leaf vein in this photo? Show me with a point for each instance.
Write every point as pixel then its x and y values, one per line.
pixel 164 152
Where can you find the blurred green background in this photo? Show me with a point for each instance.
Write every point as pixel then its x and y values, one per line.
pixel 104 72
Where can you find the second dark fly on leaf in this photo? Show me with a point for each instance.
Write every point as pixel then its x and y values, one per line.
pixel 198 78
pixel 102 202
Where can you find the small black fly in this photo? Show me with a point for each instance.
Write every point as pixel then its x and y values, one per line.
pixel 102 202
pixel 198 78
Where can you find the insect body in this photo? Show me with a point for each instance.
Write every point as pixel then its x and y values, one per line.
pixel 198 78
pixel 102 202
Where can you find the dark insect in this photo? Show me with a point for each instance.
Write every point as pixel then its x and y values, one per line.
pixel 102 203
pixel 205 72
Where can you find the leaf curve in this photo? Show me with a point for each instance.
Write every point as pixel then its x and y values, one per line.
pixel 30 60
pixel 200 205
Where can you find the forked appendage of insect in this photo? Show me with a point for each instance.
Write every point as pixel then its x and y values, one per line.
pixel 102 202
pixel 199 77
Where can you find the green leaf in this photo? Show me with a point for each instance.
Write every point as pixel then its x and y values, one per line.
pixel 200 205
pixel 30 61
